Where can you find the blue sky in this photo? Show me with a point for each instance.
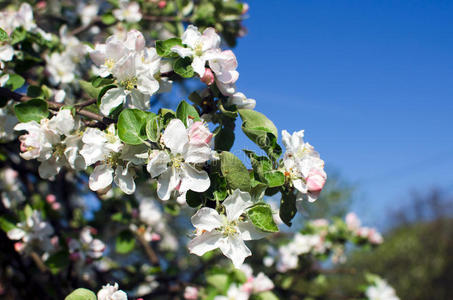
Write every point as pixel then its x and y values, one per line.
pixel 371 82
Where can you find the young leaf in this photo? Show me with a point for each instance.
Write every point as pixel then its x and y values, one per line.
pixel 81 294
pixel 153 129
pixel 224 140
pixel 35 91
pixel 288 207
pixel 185 110
pixel 3 35
pixel 32 110
pixel 125 242
pixel 108 19
pixel 183 67
pixel 163 48
pixel 252 119
pixel 132 126
pixel 18 35
pixel 15 81
pixel 261 216
pixel 92 91
pixel 101 81
pixel 234 171
pixel 7 223
pixel 274 178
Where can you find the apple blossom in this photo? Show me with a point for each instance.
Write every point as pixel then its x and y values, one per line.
pixel 190 293
pixel 381 290
pixel 11 188
pixel 176 170
pixel 303 166
pixel 128 11
pixel 241 101
pixel 111 292
pixel 86 247
pixel 234 292
pixel 227 232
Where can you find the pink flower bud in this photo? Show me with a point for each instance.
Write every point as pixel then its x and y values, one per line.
pixel 41 5
pixel 245 8
pixel 208 77
pixel 162 4
pixel 56 206
pixel 199 134
pixel 155 237
pixel 54 241
pixel 93 230
pixel 191 293
pixel 315 181
pixel 19 246
pixel 51 198
pixel 248 286
pixel 23 147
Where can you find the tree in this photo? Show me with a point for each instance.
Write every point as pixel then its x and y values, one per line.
pixel 99 176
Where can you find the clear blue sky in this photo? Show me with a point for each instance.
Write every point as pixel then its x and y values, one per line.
pixel 371 82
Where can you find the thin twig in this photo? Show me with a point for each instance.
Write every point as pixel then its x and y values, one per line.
pixel 148 249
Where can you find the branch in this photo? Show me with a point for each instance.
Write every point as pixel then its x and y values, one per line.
pixel 4 92
pixel 149 251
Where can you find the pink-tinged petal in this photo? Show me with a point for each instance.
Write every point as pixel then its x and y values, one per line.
pixel 101 177
pixel 205 242
pixel 207 219
pixel 316 180
pixel 236 204
pixel 175 136
pixel 199 134
pixel 98 54
pixel 210 39
pixel 208 77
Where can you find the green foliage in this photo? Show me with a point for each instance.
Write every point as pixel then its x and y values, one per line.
pixel 261 216
pixel 88 87
pixel 7 223
pixel 15 81
pixel 288 207
pixel 132 126
pixel 57 261
pixel 183 67
pixel 185 110
pixel 108 19
pixel 3 35
pixel 81 294
pixel 32 110
pixel 153 129
pixel 18 35
pixel 101 81
pixel 163 48
pixel 234 171
pixel 125 242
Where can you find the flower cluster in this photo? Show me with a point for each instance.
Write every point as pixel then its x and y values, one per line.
pixel 380 290
pixel 370 234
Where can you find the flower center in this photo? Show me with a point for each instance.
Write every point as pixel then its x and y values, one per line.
pixel 177 160
pixel 109 63
pixel 230 228
pixel 199 49
pixel 129 84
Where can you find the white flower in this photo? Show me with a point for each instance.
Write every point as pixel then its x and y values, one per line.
pixel 234 292
pixel 129 12
pixel 303 165
pixel 150 212
pixel 105 147
pixel 87 12
pixel 381 290
pixel 60 67
pixel 111 292
pixel 7 122
pixel 241 101
pixel 200 47
pixel 352 222
pixel 176 169
pixel 33 231
pixel 225 232
pixel 190 293
pixel 86 246
pixel 10 187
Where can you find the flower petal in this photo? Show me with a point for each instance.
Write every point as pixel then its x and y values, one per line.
pixel 166 183
pixel 250 232
pixel 175 136
pixel 101 177
pixel 235 249
pixel 207 219
pixel 111 100
pixel 193 179
pixel 124 179
pixel 206 242
pixel 236 204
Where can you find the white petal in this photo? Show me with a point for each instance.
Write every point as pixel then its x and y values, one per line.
pixel 250 232
pixel 166 183
pixel 206 242
pixel 191 36
pixel 236 204
pixel 16 234
pixel 101 177
pixel 124 179
pixel 49 168
pixel 198 65
pixel 199 153
pixel 111 100
pixel 158 163
pixel 175 136
pixel 206 219
pixel 235 249
pixel 193 179
pixel 140 100
pixel 182 51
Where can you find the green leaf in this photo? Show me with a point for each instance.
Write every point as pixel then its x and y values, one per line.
pixel 268 295
pixel 58 261
pixel 132 126
pixel 261 216
pixel 234 171
pixel 255 120
pixel 224 140
pixel 108 19
pixel 185 110
pixel 183 67
pixel 163 48
pixel 288 207
pixel 3 35
pixel 7 223
pixel 15 81
pixel 18 35
pixel 274 178
pixel 32 110
pixel 81 294
pixel 92 91
pixel 219 281
pixel 193 199
pixel 101 81
pixel 153 129
pixel 34 91
pixel 125 242
pixel 172 208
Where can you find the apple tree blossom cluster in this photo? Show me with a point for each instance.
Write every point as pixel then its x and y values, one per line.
pixel 101 182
